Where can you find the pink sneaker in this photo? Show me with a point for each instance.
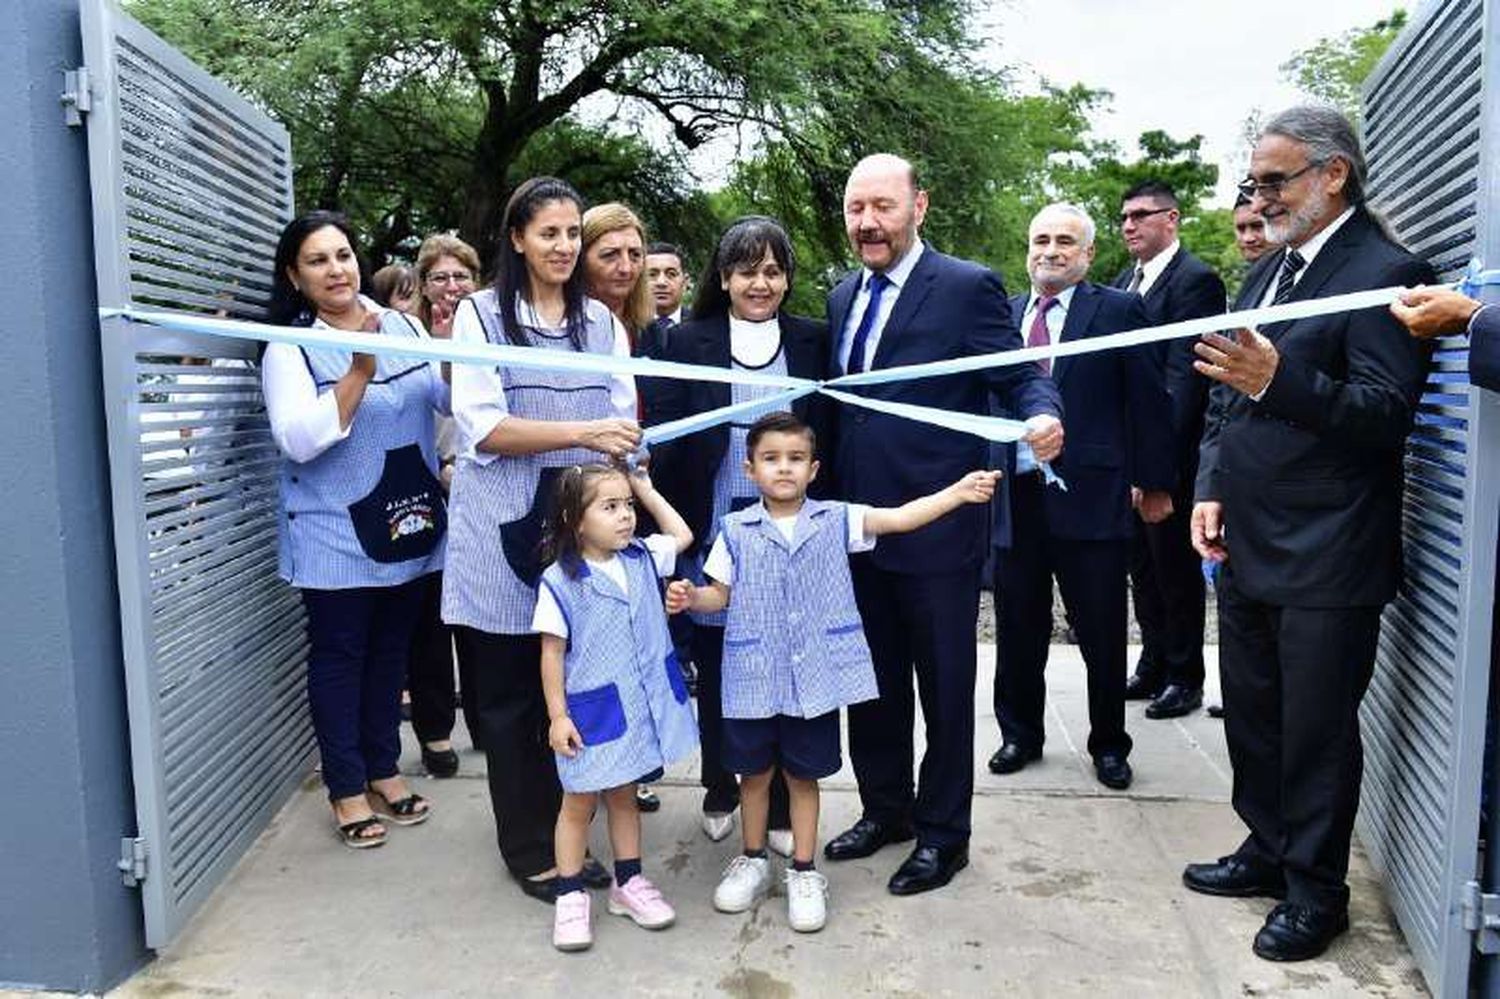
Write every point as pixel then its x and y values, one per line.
pixel 570 922
pixel 640 900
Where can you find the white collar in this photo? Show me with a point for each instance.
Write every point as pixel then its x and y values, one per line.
pixel 897 274
pixel 1315 244
pixel 1151 269
pixel 1064 299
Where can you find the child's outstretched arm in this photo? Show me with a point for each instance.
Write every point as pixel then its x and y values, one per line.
pixel 562 734
pixel 654 503
pixel 976 487
pixel 682 595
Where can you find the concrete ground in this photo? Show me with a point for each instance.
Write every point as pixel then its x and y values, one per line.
pixel 1072 890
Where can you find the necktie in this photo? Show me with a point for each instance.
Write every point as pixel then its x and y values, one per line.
pixel 1039 335
pixel 878 283
pixel 1136 278
pixel 1289 268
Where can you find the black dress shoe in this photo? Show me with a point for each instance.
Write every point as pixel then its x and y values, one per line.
pixel 594 875
pixel 1298 932
pixel 1235 877
pixel 440 762
pixel 541 889
pixel 1141 688
pixel 1012 757
pixel 927 868
pixel 864 838
pixel 1175 701
pixel 1113 771
pixel 1215 710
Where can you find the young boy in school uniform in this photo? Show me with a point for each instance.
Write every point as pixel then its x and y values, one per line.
pixel 794 645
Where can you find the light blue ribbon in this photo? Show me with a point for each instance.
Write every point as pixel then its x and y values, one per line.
pixel 990 428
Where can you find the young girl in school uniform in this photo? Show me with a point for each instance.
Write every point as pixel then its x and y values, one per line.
pixel 616 699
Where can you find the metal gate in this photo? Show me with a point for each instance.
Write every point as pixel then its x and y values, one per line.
pixel 1430 135
pixel 191 186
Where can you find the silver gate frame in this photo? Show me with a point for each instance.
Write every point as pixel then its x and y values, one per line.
pixel 147 858
pixel 1445 957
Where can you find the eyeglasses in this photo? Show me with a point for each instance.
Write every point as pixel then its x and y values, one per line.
pixel 451 277
pixel 1141 214
pixel 1250 187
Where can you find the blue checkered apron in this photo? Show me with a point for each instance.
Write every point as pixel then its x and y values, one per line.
pixel 495 510
pixel 793 643
pixel 624 686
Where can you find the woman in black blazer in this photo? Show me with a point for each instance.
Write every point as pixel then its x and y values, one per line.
pixel 736 322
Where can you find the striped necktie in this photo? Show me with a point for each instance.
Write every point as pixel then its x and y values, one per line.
pixel 1288 277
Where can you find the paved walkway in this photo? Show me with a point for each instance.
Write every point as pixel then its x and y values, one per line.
pixel 1072 891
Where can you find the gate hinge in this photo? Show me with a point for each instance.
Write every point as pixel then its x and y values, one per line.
pixel 1481 913
pixel 75 98
pixel 132 862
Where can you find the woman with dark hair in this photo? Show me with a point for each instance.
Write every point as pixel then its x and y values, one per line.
pixel 518 429
pixel 362 518
pixel 737 323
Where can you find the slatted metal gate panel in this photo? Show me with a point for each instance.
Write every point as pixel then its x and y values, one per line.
pixel 191 187
pixel 1425 135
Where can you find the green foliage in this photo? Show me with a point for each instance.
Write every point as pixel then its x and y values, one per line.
pixel 1334 69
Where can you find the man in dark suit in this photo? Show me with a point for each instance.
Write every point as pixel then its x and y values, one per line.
pixel 666 276
pixel 919 593
pixel 1165 573
pixel 1433 312
pixel 1299 498
pixel 1119 440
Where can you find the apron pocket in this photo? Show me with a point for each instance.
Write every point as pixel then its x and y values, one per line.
pixel 674 677
pixel 598 714
pixel 404 516
pixel 521 540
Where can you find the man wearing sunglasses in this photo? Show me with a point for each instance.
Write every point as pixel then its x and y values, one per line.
pixel 1299 499
pixel 1165 573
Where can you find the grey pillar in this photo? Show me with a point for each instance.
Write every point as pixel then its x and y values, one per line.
pixel 66 919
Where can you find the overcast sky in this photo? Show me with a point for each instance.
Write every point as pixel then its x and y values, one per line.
pixel 1186 66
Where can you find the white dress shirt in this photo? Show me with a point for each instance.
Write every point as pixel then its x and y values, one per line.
pixel 1152 269
pixel 898 276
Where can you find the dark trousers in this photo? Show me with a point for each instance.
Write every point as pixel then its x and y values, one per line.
pixel 429 674
pixel 721 790
pixel 524 792
pixel 1166 577
pixel 1293 678
pixel 922 624
pixel 355 664
pixel 1091 576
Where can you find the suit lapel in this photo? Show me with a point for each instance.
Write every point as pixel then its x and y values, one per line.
pixel 1075 325
pixel 719 356
pixel 908 301
pixel 838 314
pixel 1158 288
pixel 1333 256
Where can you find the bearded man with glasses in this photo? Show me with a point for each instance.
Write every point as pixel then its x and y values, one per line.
pixel 1299 499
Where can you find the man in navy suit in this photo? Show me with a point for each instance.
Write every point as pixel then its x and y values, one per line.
pixel 919 594
pixel 1120 439
pixel 1300 498
pixel 1431 312
pixel 1165 573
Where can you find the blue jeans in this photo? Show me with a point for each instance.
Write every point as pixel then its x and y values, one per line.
pixel 360 639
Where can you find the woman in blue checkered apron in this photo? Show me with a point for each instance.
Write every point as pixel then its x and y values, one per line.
pixel 362 520
pixel 518 428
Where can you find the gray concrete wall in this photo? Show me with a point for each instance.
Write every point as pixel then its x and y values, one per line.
pixel 66 920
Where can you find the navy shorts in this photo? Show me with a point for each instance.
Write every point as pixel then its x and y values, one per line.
pixel 804 747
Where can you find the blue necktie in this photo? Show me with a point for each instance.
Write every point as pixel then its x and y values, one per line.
pixel 877 284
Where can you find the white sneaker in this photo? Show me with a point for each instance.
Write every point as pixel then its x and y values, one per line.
pixel 780 841
pixel 806 900
pixel 717 825
pixel 745 880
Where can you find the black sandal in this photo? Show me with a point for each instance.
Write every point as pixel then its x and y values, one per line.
pixel 352 833
pixel 404 812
